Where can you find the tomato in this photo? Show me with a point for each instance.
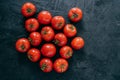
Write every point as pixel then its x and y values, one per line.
pixel 46 65
pixel 66 52
pixel 75 14
pixel 47 33
pixel 22 45
pixel 35 38
pixel 28 9
pixel 70 30
pixel 60 65
pixel 77 43
pixel 31 25
pixel 60 39
pixel 48 50
pixel 33 55
pixel 44 17
pixel 58 22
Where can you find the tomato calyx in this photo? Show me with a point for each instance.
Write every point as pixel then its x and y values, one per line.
pixel 31 25
pixel 62 67
pixel 30 40
pixel 69 53
pixel 56 41
pixel 44 32
pixel 22 47
pixel 44 66
pixel 72 27
pixel 60 24
pixel 30 57
pixel 29 10
pixel 75 15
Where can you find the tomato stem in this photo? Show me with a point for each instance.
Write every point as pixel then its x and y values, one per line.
pixel 31 25
pixel 62 67
pixel 69 53
pixel 60 24
pixel 56 41
pixel 22 47
pixel 30 57
pixel 44 32
pixel 43 67
pixel 29 10
pixel 72 27
pixel 74 16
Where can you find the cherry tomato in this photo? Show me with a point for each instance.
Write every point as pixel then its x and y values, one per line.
pixel 60 39
pixel 58 22
pixel 28 9
pixel 47 33
pixel 33 55
pixel 48 50
pixel 44 17
pixel 31 25
pixel 46 65
pixel 35 38
pixel 22 45
pixel 60 65
pixel 75 14
pixel 66 52
pixel 70 30
pixel 77 43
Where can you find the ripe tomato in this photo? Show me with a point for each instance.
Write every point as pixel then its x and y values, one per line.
pixel 28 9
pixel 77 43
pixel 46 65
pixel 22 45
pixel 31 25
pixel 60 65
pixel 44 17
pixel 35 38
pixel 70 30
pixel 48 50
pixel 60 39
pixel 66 52
pixel 47 33
pixel 58 22
pixel 33 54
pixel 75 14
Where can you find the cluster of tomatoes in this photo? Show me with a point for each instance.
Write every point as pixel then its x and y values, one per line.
pixel 48 50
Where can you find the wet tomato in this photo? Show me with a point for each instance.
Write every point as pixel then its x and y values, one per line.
pixel 22 45
pixel 46 65
pixel 77 43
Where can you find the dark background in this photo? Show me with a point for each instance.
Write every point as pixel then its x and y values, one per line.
pixel 100 28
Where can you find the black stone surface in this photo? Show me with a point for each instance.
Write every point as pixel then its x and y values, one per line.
pixel 100 28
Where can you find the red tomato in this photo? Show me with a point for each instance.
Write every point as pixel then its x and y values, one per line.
pixel 44 17
pixel 22 45
pixel 77 43
pixel 47 33
pixel 75 14
pixel 70 30
pixel 60 39
pixel 66 52
pixel 35 38
pixel 48 50
pixel 46 65
pixel 31 25
pixel 33 54
pixel 60 65
pixel 28 9
pixel 58 22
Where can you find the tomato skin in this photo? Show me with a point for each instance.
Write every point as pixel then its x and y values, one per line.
pixel 58 22
pixel 28 9
pixel 22 45
pixel 66 52
pixel 48 50
pixel 75 14
pixel 60 65
pixel 35 38
pixel 44 17
pixel 46 65
pixel 47 33
pixel 77 43
pixel 31 25
pixel 70 30
pixel 60 39
pixel 33 54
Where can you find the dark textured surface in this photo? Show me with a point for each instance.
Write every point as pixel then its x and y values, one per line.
pixel 100 27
